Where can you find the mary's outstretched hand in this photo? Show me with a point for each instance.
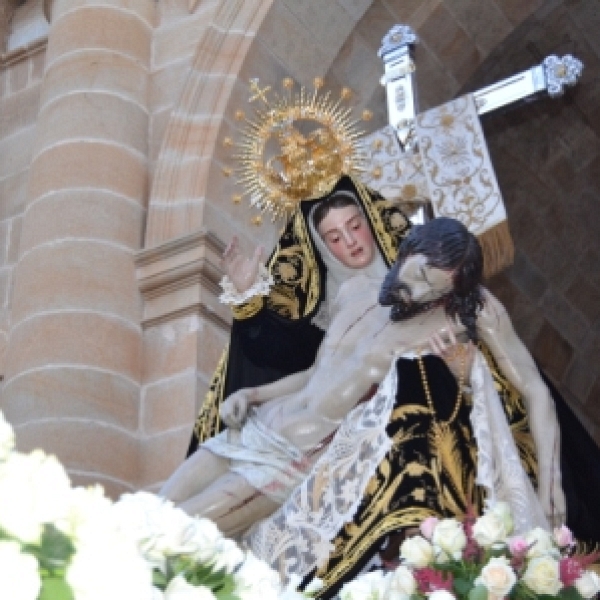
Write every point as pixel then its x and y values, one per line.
pixel 241 270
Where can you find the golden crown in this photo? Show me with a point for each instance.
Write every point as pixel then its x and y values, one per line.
pixel 295 147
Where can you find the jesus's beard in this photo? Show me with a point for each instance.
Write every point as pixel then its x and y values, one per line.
pixel 402 311
pixel 393 295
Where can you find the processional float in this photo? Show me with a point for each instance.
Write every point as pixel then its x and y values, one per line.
pixel 435 163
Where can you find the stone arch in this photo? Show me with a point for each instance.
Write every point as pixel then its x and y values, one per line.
pixel 189 157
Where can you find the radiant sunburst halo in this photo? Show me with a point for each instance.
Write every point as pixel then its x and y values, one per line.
pixel 296 146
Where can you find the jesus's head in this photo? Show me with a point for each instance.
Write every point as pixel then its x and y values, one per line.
pixel 439 263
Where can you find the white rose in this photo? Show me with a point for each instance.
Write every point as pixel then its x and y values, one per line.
pixel 106 564
pixel 498 577
pixel 208 542
pixel 449 539
pixel 588 585
pixel 401 584
pixel 502 510
pixel 180 589
pixel 441 595
pixel 227 556
pixel 19 576
pixel 7 438
pixel 541 543
pixel 490 529
pixel 416 551
pixel 316 585
pixel 370 586
pixel 255 580
pixel 291 589
pixel 157 527
pixel 87 508
pixel 34 489
pixel 542 576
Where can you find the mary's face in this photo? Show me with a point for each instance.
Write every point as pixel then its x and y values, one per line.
pixel 346 233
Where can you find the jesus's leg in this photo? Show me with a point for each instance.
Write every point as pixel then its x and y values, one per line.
pixel 194 475
pixel 232 503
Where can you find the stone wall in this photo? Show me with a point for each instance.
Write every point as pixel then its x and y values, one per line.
pixel 547 158
pixel 20 87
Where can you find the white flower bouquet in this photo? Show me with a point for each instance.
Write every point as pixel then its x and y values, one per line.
pixel 478 559
pixel 63 543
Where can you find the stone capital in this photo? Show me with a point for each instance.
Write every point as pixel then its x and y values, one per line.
pixel 181 277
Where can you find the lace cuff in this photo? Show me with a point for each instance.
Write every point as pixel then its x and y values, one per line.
pixel 260 287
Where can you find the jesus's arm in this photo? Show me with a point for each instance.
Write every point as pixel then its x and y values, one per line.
pixel 515 362
pixel 234 408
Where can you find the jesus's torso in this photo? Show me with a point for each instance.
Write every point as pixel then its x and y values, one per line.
pixel 356 353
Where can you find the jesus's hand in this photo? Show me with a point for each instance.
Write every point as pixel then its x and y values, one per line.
pixel 234 408
pixel 457 356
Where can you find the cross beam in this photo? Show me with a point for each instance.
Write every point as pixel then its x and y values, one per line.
pixel 553 75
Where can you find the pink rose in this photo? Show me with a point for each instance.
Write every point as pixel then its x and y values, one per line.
pixel 427 527
pixel 517 546
pixel 563 537
pixel 570 570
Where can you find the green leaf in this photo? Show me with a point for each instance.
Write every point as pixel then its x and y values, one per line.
pixel 227 596
pixel 479 592
pixel 55 548
pixel 159 579
pixel 55 588
pixel 462 586
pixel 522 592
pixel 569 593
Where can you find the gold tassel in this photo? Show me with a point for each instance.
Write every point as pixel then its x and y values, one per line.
pixel 498 249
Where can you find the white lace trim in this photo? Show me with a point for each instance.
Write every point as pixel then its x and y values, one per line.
pixel 261 287
pixel 499 468
pixel 297 537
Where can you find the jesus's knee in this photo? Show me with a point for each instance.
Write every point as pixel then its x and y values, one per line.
pixel 197 473
pixel 232 503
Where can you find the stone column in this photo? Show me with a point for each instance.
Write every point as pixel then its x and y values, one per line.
pixel 7 10
pixel 73 370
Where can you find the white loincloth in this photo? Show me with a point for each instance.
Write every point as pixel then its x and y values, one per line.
pixel 267 461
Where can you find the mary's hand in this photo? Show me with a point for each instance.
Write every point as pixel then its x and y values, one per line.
pixel 234 408
pixel 241 270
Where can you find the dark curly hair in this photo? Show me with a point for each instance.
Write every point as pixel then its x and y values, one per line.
pixel 450 246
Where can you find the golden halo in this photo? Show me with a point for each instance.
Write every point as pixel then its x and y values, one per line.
pixel 316 141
